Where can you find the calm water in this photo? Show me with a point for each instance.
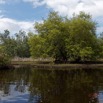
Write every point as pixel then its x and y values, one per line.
pixel 25 85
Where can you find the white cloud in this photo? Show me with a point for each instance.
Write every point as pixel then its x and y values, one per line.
pixel 64 7
pixel 2 1
pixel 14 26
pixel 68 7
pixel 8 1
pixel 36 2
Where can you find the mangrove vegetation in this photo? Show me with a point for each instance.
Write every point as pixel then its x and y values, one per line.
pixel 61 38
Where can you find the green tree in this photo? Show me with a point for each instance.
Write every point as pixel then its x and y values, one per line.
pixel 4 58
pixel 82 43
pixel 53 31
pixel 100 40
pixel 37 46
pixel 22 47
pixel 66 39
pixel 8 43
pixel 16 45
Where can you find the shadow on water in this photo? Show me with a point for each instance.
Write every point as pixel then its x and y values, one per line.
pixel 28 85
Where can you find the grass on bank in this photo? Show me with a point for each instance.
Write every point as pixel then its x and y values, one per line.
pixel 48 63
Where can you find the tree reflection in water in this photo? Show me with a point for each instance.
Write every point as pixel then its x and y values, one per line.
pixel 52 86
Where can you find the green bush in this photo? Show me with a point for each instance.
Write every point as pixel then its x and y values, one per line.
pixel 4 58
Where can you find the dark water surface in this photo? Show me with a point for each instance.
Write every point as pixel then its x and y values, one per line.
pixel 26 85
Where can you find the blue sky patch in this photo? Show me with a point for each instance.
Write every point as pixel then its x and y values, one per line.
pixel 22 14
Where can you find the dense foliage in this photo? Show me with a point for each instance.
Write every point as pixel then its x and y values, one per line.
pixel 63 39
pixel 13 46
pixel 66 39
pixel 4 58
pixel 16 45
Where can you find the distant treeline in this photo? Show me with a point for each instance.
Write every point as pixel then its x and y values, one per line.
pixel 63 39
pixel 16 45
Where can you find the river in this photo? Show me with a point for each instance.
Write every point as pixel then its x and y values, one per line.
pixel 29 85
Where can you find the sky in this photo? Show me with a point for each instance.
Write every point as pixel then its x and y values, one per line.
pixel 18 15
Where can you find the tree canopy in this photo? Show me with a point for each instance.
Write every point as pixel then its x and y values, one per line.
pixel 66 39
pixel 16 45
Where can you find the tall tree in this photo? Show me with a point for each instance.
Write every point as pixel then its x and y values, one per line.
pixel 22 47
pixel 66 39
pixel 82 42
pixel 54 31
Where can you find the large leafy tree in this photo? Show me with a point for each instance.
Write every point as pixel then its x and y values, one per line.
pixel 37 46
pixel 52 33
pixel 66 39
pixel 82 43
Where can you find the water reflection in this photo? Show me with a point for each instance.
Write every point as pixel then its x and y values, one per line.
pixel 26 85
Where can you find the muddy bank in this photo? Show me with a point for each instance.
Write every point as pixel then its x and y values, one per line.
pixel 51 65
pixel 60 66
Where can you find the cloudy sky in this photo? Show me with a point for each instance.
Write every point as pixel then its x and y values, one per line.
pixel 22 14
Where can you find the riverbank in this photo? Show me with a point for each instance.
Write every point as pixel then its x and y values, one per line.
pixel 57 66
